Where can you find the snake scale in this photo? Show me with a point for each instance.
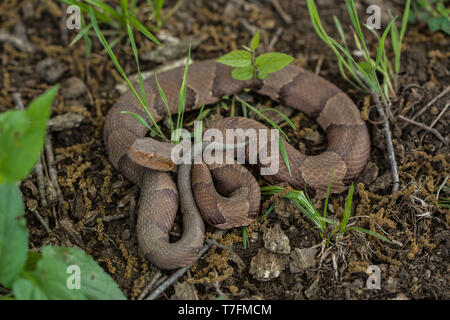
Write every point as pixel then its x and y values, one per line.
pixel 226 195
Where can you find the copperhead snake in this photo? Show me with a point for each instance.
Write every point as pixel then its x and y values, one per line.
pixel 226 195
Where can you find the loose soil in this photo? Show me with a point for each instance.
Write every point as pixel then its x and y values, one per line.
pixel 93 191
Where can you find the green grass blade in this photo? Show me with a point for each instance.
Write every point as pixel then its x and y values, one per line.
pixel 347 211
pixel 284 155
pixel 105 44
pixel 138 25
pixel 285 117
pixel 373 234
pixel 328 194
pixel 166 104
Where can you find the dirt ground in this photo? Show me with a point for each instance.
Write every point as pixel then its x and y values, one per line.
pixel 97 206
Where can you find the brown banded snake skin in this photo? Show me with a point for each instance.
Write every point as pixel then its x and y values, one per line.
pixel 226 195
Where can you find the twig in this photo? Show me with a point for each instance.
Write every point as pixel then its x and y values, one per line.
pixel 42 221
pixel 286 18
pixel 116 217
pixel 17 42
pixel 439 116
pixel 425 127
pixel 149 286
pixel 319 64
pixel 387 135
pixel 275 38
pixel 443 93
pixel 39 170
pixel 214 243
pixel 51 166
pixel 166 284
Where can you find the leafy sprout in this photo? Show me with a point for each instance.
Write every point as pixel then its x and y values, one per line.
pixel 302 201
pixel 367 67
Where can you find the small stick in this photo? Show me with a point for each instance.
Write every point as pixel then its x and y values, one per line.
pixel 443 93
pixel 287 18
pixel 116 217
pixel 275 38
pixel 387 135
pixel 21 44
pixel 214 243
pixel 439 116
pixel 425 127
pixel 42 221
pixel 319 64
pixel 51 166
pixel 166 284
pixel 39 170
pixel 149 286
pixel 435 121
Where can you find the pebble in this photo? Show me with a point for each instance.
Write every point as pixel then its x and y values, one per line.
pixel 302 259
pixel 266 266
pixel 73 88
pixel 126 235
pixel 276 240
pixel 50 69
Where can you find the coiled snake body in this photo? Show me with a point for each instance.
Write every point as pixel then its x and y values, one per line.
pixel 226 195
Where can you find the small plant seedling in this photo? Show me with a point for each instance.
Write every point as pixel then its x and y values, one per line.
pixel 29 275
pixel 247 65
pixel 302 201
pixel 433 12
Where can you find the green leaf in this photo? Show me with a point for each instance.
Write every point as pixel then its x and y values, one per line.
pixel 243 73
pixel 22 135
pixel 48 281
pixel 255 41
pixel 95 282
pixel 434 24
pixel 236 58
pixel 271 62
pixel 53 279
pixel 13 234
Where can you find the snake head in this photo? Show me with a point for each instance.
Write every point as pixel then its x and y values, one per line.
pixel 152 154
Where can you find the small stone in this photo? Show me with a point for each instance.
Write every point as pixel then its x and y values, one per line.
pixel 314 137
pixel 403 275
pixel 313 289
pixel 126 235
pixel 381 183
pixel 184 291
pixel 73 88
pixel 50 69
pixel 275 240
pixel 284 208
pixel 434 111
pixel 401 296
pixel 32 204
pixel 65 121
pixel 392 284
pixel 427 274
pixel 369 174
pixel 357 284
pixel 302 259
pixel 266 266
